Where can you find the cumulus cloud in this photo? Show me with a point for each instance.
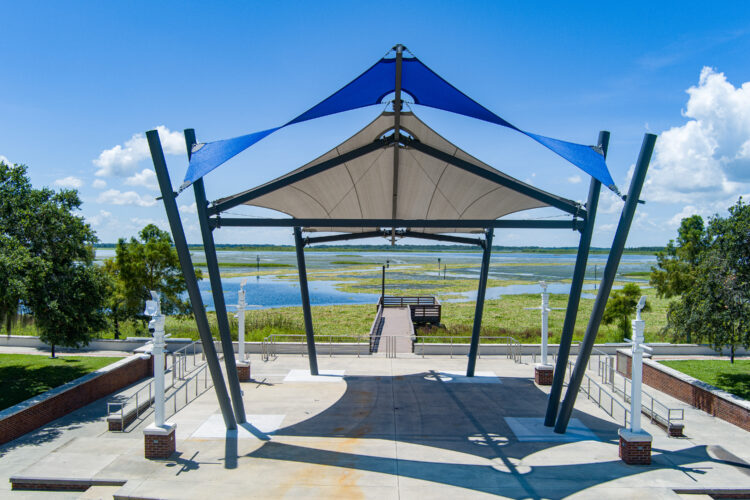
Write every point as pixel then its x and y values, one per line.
pixel 68 182
pixel 115 197
pixel 102 218
pixel 575 179
pixel 4 159
pixel 189 209
pixel 708 157
pixel 145 178
pixel 122 159
pixel 99 184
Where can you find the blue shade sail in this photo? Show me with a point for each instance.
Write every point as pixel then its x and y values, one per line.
pixel 426 87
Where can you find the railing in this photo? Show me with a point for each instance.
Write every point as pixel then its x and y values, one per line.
pixel 513 346
pixel 376 329
pixel 269 346
pixel 423 308
pixel 601 397
pixel 194 380
pixel 131 408
pixel 185 359
pixel 654 409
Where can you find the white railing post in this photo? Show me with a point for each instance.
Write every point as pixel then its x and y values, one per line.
pixel 637 368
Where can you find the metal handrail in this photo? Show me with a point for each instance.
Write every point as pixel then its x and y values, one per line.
pixel 180 360
pixel 268 345
pixel 595 394
pixel 514 347
pixel 207 383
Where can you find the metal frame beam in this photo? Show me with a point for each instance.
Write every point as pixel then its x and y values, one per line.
pixel 188 272
pixel 608 278
pixel 441 237
pixel 312 240
pixel 296 177
pixel 574 224
pixel 479 308
pixel 574 297
pixel 565 205
pixel 305 295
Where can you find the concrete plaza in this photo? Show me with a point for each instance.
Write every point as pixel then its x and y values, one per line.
pixel 374 427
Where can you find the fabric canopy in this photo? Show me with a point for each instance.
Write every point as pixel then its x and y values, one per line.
pixel 428 188
pixel 426 87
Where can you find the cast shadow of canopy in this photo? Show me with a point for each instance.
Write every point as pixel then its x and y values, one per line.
pixel 468 418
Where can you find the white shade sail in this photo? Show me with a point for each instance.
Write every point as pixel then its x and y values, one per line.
pixel 428 188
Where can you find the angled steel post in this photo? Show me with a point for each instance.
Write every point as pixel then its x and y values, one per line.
pixel 479 309
pixel 212 263
pixel 574 297
pixel 302 269
pixel 608 277
pixel 396 135
pixel 186 263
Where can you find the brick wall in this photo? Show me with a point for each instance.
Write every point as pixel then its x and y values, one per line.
pixel 40 410
pixel 693 392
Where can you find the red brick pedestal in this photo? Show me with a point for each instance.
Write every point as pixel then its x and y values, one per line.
pixel 635 448
pixel 243 371
pixel 543 374
pixel 159 441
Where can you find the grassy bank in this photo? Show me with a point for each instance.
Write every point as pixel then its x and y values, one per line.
pixel 506 316
pixel 26 375
pixel 731 377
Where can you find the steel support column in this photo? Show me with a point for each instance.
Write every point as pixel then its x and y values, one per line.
pixel 479 309
pixel 608 277
pixel 574 297
pixel 186 263
pixel 305 294
pixel 217 292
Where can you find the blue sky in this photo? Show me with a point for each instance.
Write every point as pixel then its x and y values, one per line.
pixel 81 80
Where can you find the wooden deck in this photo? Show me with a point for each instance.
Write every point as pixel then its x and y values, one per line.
pixel 393 327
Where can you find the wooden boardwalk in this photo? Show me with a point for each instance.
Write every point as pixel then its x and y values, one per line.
pixel 395 322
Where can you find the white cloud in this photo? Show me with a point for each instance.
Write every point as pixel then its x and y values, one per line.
pixel 145 178
pixel 609 203
pixel 4 159
pixel 189 209
pixel 99 183
pixel 115 197
pixel 122 160
pixel 708 157
pixel 68 182
pixel 102 218
pixel 575 179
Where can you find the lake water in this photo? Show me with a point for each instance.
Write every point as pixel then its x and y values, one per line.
pixel 267 292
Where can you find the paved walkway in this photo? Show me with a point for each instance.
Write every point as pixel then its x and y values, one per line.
pixel 373 427
pixel 398 326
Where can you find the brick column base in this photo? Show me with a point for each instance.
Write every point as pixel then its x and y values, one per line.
pixel 243 371
pixel 159 441
pixel 543 374
pixel 635 448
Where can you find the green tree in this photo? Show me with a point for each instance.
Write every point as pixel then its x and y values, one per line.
pixel 716 308
pixel 61 285
pixel 16 265
pixel 675 266
pixel 621 308
pixel 147 263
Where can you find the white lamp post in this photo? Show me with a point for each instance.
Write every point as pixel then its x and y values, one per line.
pixel 241 321
pixel 635 443
pixel 156 328
pixel 543 371
pixel 636 376
pixel 243 366
pixel 160 436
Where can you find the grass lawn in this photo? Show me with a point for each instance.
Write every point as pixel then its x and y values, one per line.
pixel 730 377
pixel 26 375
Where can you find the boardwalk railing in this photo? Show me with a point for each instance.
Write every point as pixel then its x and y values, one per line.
pixel 376 329
pixel 424 308
pixel 601 397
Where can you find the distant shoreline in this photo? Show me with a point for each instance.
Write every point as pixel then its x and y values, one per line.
pixel 411 248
